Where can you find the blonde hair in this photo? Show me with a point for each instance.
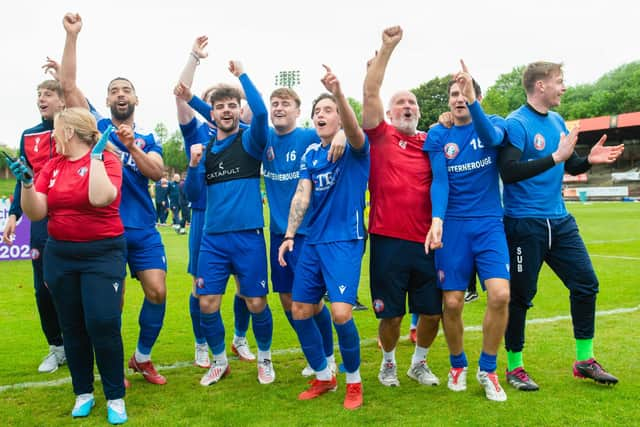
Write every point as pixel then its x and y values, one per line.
pixel 536 71
pixel 84 126
pixel 286 93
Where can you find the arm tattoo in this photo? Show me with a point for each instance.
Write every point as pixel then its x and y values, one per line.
pixel 299 206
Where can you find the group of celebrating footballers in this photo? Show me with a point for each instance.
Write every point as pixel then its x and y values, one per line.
pixel 436 219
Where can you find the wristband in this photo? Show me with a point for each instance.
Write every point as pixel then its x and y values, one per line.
pixel 192 53
pixel 285 238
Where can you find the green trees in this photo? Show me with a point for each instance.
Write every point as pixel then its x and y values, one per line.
pixel 616 92
pixel 432 100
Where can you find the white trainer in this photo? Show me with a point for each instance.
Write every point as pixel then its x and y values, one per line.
pixel 457 379
pixel 308 371
pixel 420 372
pixel 202 356
pixel 492 388
pixel 53 360
pixel 241 349
pixel 216 372
pixel 388 375
pixel 266 373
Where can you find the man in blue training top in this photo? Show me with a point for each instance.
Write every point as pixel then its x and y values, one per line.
pixel 467 228
pixel 539 228
pixel 233 240
pixel 142 160
pixel 195 131
pixel 331 257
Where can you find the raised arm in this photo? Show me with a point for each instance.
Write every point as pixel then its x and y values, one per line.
pixel 198 52
pixel 73 96
pixel 491 134
pixel 259 129
pixel 299 206
pixel 352 130
pixel 372 108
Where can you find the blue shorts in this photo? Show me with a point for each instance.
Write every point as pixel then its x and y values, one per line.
pixel 145 250
pixel 400 270
pixel 195 239
pixel 282 277
pixel 468 243
pixel 243 253
pixel 331 267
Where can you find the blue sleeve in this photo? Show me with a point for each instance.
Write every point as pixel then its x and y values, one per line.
pixel 15 208
pixel 255 141
pixel 194 132
pixel 491 132
pixel 193 182
pixel 201 108
pixel 516 133
pixel 440 183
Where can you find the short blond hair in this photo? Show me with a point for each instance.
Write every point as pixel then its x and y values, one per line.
pixel 286 93
pixel 536 71
pixel 84 126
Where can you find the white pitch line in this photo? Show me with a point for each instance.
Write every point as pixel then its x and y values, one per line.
pixel 631 258
pixel 297 350
pixel 599 242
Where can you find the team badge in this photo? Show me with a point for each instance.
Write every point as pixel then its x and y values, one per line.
pixel 270 154
pixel 140 143
pixel 441 276
pixel 378 305
pixel 83 171
pixel 402 144
pixel 35 254
pixel 200 282
pixel 539 142
pixel 451 150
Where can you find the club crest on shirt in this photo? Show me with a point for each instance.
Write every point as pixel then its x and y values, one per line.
pixel 83 171
pixel 270 154
pixel 539 142
pixel 451 150
pixel 441 276
pixel 140 143
pixel 402 144
pixel 378 305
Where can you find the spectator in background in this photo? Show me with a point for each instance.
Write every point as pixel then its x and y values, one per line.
pixel 185 208
pixel 162 200
pixel 174 201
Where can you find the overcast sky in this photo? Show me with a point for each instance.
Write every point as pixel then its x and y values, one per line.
pixel 149 43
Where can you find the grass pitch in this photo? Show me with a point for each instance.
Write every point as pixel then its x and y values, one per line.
pixel 610 230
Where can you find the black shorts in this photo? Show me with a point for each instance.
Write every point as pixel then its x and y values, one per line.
pixel 400 268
